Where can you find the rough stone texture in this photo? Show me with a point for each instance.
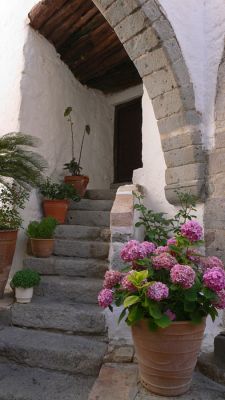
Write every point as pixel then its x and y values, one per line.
pixel 151 62
pixel 67 266
pixel 115 381
pixel 181 141
pixel 189 172
pixel 100 194
pixel 185 155
pixel 55 351
pixel 209 366
pixel 22 383
pixel 183 122
pixel 119 10
pixel 82 232
pixel 219 348
pixel 85 248
pixel 131 25
pixel 160 82
pixel 45 314
pixel 202 388
pixel 140 44
pixel 92 205
pixel 120 354
pixel 75 289
pixel 88 218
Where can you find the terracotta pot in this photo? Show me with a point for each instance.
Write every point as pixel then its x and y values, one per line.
pixel 79 182
pixel 167 357
pixel 24 296
pixel 42 247
pixel 7 250
pixel 56 208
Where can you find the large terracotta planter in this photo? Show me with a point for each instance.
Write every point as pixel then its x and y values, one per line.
pixel 167 357
pixel 7 250
pixel 79 182
pixel 42 248
pixel 56 208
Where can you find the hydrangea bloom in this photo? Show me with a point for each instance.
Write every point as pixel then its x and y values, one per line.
pixel 105 298
pixel 126 284
pixel 112 278
pixel 182 275
pixel 147 248
pixel 170 314
pixel 192 230
pixel 131 251
pixel 220 303
pixel 211 262
pixel 164 260
pixel 214 278
pixel 172 241
pixel 158 291
pixel 161 249
pixel 193 256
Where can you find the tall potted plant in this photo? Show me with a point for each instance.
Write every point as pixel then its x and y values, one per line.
pixel 166 294
pixel 56 199
pixel 41 236
pixel 76 179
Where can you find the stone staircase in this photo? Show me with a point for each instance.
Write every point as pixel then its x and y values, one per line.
pixel 54 348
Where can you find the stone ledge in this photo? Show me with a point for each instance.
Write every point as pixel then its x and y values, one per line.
pixel 209 366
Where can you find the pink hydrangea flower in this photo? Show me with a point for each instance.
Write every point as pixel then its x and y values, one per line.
pixel 214 278
pixel 172 241
pixel 164 260
pixel 211 262
pixel 192 230
pixel 126 284
pixel 147 248
pixel 220 303
pixel 193 256
pixel 158 291
pixel 182 275
pixel 111 279
pixel 105 298
pixel 131 251
pixel 161 249
pixel 170 314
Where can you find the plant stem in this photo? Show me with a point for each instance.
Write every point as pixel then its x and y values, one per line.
pixel 71 128
pixel 82 143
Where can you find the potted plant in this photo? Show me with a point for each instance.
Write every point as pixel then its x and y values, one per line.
pixel 76 179
pixel 56 199
pixel 166 294
pixel 41 236
pixel 24 281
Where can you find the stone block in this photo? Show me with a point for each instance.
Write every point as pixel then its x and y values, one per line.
pixel 160 82
pixel 217 162
pixel 163 29
pixel 172 48
pixel 167 104
pixel 141 43
pixel 120 354
pixel 215 238
pixel 196 188
pixel 115 260
pixel 211 367
pixel 131 25
pixel 219 348
pixel 152 10
pixel 189 172
pixel 81 248
pixel 181 72
pixel 103 4
pixel 215 213
pixel 181 140
pixel 122 212
pixel 183 156
pixel 117 380
pixel 88 218
pixel 151 62
pixel 182 122
pixel 119 10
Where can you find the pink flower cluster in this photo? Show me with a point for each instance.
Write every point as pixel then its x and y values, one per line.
pixel 161 249
pixel 220 303
pixel 126 284
pixel 134 250
pixel 193 256
pixel 172 241
pixel 170 315
pixel 164 260
pixel 105 298
pixel 158 291
pixel 182 275
pixel 211 262
pixel 111 279
pixel 192 230
pixel 214 279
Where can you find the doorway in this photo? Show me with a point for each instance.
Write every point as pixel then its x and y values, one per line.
pixel 127 140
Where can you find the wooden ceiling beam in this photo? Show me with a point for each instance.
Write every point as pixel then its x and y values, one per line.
pixel 42 11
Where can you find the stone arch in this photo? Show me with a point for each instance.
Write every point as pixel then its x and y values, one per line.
pixel 151 44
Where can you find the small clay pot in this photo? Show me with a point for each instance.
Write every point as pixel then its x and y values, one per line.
pixel 56 208
pixel 7 250
pixel 79 182
pixel 167 357
pixel 42 248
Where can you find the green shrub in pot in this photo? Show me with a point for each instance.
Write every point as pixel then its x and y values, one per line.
pixel 24 281
pixel 41 234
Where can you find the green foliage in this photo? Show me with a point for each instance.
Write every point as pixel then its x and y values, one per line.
pixel 42 230
pixel 19 162
pixel 158 226
pixel 58 191
pixel 74 166
pixel 13 199
pixel 26 278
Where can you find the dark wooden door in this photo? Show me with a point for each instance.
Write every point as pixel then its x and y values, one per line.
pixel 127 140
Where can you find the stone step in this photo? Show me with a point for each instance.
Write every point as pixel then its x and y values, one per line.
pixel 89 218
pixel 81 248
pixel 78 290
pixel 53 351
pixel 80 232
pixel 24 383
pixel 100 194
pixel 92 205
pixel 75 318
pixel 67 266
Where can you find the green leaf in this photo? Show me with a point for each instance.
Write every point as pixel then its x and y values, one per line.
pixel 189 306
pixel 196 317
pixel 137 277
pixel 191 295
pixel 154 311
pixel 136 313
pixel 122 315
pixel 163 322
pixel 152 325
pixel 130 300
pixel 209 294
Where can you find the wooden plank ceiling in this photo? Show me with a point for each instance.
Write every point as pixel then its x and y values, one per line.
pixel 86 43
